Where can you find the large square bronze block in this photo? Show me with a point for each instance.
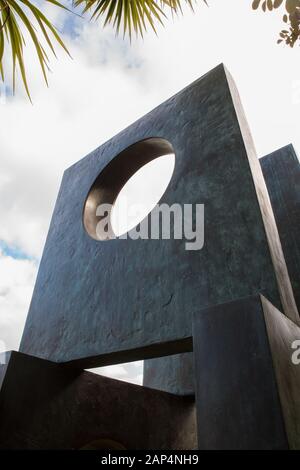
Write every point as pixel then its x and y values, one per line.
pixel 102 302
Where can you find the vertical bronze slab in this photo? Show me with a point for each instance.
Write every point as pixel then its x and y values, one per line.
pixel 238 405
pixel 284 284
pixel 173 374
pixel 282 334
pixel 281 170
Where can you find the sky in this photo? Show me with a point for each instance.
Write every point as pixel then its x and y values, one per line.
pixel 108 84
pixel 141 193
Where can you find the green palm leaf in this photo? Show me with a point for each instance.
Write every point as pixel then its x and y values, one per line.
pixel 132 15
pixel 13 17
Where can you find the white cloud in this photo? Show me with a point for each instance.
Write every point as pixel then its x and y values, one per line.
pixel 109 84
pixel 16 283
pixel 130 372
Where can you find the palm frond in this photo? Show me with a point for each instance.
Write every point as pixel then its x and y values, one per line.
pixel 13 19
pixel 132 15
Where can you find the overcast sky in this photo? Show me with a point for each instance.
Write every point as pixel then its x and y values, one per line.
pixel 107 85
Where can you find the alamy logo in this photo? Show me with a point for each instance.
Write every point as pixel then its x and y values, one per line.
pixel 296 353
pixel 178 222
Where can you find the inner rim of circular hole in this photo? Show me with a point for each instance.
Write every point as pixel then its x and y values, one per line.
pixel 107 186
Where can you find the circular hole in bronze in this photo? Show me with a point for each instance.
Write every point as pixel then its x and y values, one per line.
pixel 123 171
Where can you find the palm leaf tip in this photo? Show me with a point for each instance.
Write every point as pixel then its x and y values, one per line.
pixel 14 19
pixel 132 15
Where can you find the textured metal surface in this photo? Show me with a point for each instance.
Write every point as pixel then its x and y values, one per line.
pixel 173 374
pixel 238 404
pixel 118 300
pixel 281 170
pixel 46 406
pixel 282 333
